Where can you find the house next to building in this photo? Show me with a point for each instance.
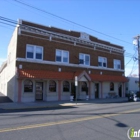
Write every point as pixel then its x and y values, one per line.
pixel 133 84
pixel 44 62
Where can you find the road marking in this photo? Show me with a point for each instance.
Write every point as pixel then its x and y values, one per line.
pixel 66 121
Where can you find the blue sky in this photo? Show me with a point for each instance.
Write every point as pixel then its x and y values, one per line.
pixel 117 18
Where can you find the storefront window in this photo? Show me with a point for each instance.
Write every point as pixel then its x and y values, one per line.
pixel 84 86
pixel 28 86
pixel 52 86
pixel 111 86
pixel 66 86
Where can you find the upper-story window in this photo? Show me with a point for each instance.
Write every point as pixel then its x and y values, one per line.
pixel 84 59
pixel 34 52
pixel 62 56
pixel 117 64
pixel 102 61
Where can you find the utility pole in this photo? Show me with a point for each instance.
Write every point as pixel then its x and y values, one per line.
pixel 136 42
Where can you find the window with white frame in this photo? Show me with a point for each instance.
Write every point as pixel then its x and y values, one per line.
pixel 34 52
pixel 102 61
pixel 84 59
pixel 62 56
pixel 117 64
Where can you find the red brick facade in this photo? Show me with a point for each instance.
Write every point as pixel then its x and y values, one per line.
pixel 49 49
pixel 41 72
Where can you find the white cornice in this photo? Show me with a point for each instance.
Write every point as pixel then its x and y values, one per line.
pixel 65 64
pixel 65 37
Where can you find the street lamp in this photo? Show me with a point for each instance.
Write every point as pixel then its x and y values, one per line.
pixel 136 43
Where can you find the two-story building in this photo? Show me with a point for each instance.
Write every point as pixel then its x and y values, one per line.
pixel 43 62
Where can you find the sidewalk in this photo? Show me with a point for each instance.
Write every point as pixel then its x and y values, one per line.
pixel 54 104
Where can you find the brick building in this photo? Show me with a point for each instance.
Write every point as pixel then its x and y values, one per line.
pixel 43 62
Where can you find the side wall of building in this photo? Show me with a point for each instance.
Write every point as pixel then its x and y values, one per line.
pixel 11 67
pixel 3 81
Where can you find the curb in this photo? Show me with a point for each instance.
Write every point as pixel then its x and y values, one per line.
pixel 61 105
pixel 41 107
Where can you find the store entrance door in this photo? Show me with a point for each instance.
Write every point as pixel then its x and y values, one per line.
pixel 39 91
pixel 96 90
pixel 120 90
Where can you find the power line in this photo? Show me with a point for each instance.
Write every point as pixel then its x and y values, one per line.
pixel 131 59
pixel 8 20
pixel 132 69
pixel 70 21
pixel 135 59
pixel 7 24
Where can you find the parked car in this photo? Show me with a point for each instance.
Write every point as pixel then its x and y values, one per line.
pixel 133 95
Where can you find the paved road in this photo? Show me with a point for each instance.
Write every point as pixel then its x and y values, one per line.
pixel 108 121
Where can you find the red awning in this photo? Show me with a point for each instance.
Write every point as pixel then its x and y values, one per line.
pixel 109 78
pixel 42 74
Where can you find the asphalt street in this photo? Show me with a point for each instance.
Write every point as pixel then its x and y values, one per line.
pixel 109 121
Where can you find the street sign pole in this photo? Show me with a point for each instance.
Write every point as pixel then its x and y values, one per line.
pixel 76 84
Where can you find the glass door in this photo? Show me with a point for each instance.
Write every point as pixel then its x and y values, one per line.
pixel 96 90
pixel 39 91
